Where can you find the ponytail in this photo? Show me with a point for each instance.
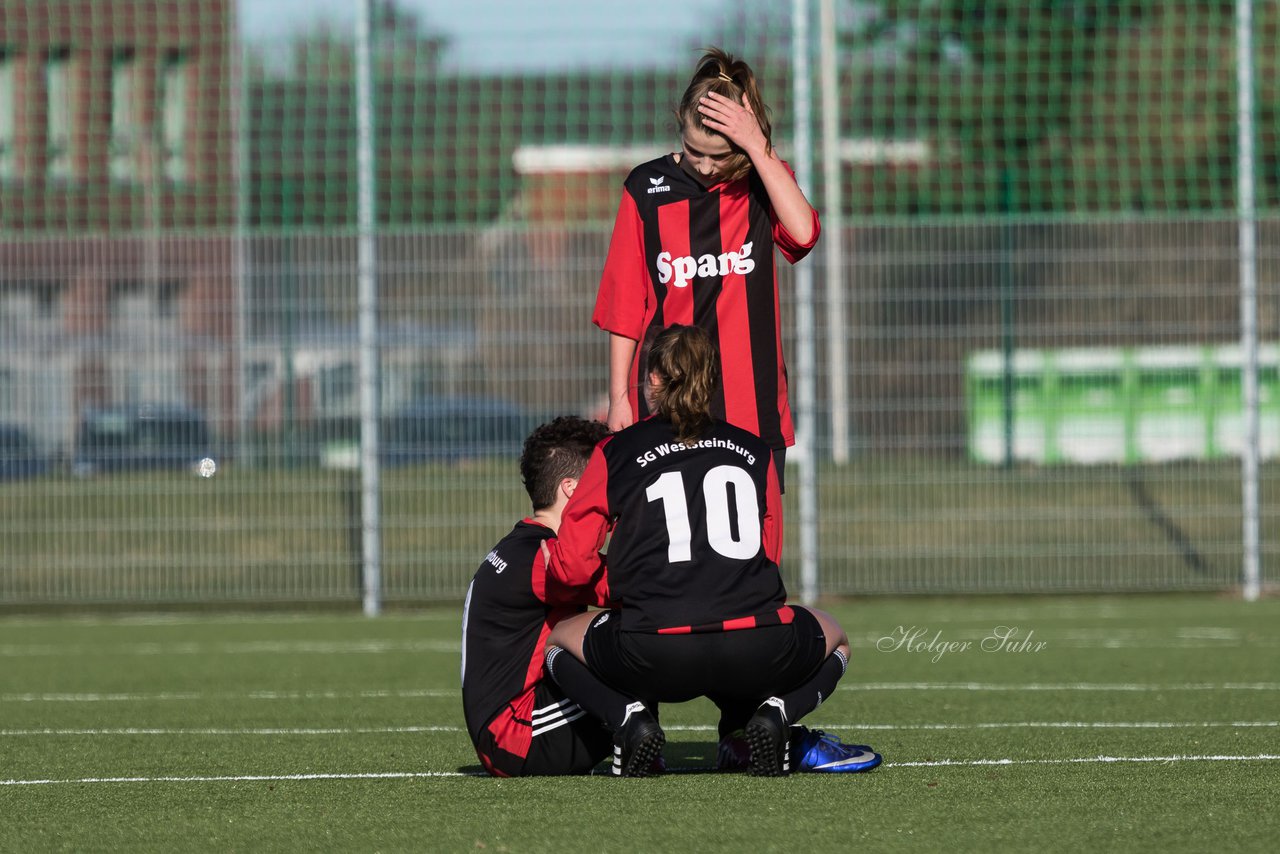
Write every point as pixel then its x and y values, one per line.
pixel 684 369
pixel 722 73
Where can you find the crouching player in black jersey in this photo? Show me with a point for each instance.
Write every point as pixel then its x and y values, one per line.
pixel 695 513
pixel 520 723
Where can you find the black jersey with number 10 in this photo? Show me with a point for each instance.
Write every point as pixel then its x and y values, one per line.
pixel 697 535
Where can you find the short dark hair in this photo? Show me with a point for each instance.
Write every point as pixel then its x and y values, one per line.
pixel 554 451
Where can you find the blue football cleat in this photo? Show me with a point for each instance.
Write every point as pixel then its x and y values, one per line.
pixel 822 753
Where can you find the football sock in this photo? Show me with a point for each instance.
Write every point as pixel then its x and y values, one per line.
pixel 585 688
pixel 810 695
pixel 734 713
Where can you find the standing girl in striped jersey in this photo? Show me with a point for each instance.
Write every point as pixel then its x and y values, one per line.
pixel 694 243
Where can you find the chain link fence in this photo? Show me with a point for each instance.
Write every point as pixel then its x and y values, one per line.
pixel 1047 354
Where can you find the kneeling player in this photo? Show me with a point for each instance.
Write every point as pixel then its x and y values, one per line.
pixel 691 504
pixel 521 723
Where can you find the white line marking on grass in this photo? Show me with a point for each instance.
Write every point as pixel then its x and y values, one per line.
pixel 246 648
pixel 252 695
pixel 175 618
pixel 1065 725
pixel 413 775
pixel 1083 760
pixel 232 731
pixel 249 778
pixel 172 696
pixel 1059 686
pixel 846 727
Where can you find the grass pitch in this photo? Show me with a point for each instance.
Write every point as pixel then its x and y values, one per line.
pixel 1050 724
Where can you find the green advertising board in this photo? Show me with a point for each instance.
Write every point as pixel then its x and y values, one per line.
pixel 1117 405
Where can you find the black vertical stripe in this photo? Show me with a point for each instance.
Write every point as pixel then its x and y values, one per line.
pixel 652 246
pixel 705 239
pixel 762 318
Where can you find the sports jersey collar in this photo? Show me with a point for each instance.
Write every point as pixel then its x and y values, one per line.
pixel 674 157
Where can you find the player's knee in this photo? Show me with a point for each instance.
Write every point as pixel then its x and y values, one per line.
pixel 837 638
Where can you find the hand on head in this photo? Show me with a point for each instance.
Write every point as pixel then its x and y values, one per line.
pixel 737 122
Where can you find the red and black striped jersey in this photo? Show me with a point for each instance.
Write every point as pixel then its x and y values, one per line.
pixel 683 253
pixel 511 606
pixel 696 530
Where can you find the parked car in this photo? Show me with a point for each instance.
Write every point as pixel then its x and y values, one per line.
pixel 453 428
pixel 19 456
pixel 149 436
pixel 439 429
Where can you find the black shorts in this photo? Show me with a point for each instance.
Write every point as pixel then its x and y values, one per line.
pixel 562 739
pixel 738 665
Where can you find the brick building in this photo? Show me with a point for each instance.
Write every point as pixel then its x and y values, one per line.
pixel 117 198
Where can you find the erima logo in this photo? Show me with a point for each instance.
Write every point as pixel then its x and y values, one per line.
pixel 498 563
pixel 658 186
pixel 686 268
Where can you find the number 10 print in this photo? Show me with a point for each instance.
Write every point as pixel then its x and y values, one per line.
pixel 726 512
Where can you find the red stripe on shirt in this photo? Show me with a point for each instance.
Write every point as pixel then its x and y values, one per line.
pixel 673 224
pixel 620 302
pixel 781 617
pixel 512 728
pixel 736 365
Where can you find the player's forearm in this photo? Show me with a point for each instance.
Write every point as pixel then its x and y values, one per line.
pixel 789 203
pixel 622 351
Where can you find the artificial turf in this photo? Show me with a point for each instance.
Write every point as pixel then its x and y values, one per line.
pixel 1140 723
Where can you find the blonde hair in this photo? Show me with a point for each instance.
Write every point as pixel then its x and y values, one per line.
pixel 684 371
pixel 724 74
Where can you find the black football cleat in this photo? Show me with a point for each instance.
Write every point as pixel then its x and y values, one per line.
pixel 770 741
pixel 637 744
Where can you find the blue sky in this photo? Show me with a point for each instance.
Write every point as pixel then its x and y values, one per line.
pixel 520 34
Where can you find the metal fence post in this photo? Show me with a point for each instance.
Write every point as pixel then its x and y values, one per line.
pixel 368 314
pixel 806 360
pixel 1248 242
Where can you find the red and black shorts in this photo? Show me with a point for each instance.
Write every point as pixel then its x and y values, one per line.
pixel 738 665
pixel 561 738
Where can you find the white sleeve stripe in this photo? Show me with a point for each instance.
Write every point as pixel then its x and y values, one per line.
pixel 545 716
pixel 466 617
pixel 539 730
pixel 552 709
